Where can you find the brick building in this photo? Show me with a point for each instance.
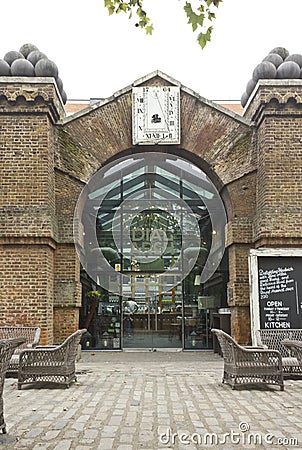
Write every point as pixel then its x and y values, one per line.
pixel 254 161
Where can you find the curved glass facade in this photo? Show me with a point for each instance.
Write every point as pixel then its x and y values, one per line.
pixel 153 238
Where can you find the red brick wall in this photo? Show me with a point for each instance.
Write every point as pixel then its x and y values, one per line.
pixel 279 180
pixel 66 321
pixel 223 146
pixel 28 224
pixel 67 286
pixel 26 287
pixel 276 111
pixel 255 165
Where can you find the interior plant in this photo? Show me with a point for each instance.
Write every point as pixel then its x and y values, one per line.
pixel 94 297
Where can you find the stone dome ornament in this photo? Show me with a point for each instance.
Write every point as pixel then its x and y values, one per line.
pixel 280 51
pixel 265 70
pixel 4 68
pixel 295 58
pixel 35 56
pixel 288 69
pixel 46 68
pixel 26 49
pixel 250 86
pixel 22 68
pixel 274 58
pixel 29 61
pixel 278 64
pixel 10 57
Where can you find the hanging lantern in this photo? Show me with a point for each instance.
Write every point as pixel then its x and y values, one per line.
pixel 197 280
pixel 105 340
pixel 193 338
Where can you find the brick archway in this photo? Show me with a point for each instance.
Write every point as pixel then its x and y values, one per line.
pixel 37 229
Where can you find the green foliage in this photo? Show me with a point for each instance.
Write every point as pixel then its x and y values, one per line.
pixel 198 17
pixel 117 6
pixel 93 295
pixel 203 38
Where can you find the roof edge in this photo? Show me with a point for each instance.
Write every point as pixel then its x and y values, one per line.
pixel 164 76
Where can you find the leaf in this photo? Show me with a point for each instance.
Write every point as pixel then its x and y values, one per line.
pixel 217 2
pixel 111 10
pixel 196 20
pixel 149 29
pixel 203 38
pixel 196 16
pixel 210 2
pixel 211 15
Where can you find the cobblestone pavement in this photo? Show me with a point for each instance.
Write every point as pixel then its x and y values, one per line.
pixel 151 401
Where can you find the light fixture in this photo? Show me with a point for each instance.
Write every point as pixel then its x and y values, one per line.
pixel 105 339
pixel 193 338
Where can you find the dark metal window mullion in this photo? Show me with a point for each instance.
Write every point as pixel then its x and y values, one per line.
pixel 121 225
pixel 182 283
pixel 122 266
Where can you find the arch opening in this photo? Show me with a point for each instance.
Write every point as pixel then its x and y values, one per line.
pixel 149 231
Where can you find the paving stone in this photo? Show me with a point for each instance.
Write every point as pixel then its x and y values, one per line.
pixel 64 444
pixel 91 433
pixel 106 444
pixel 127 401
pixel 125 447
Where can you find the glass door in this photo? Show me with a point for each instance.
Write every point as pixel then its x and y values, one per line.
pixel 153 322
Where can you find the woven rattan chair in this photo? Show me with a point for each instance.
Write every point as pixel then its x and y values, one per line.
pixel 295 349
pixel 50 364
pixel 7 348
pixel 273 339
pixel 249 365
pixel 31 336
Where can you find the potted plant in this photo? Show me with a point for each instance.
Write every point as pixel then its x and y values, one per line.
pixel 93 297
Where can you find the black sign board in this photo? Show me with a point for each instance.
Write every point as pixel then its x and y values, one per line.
pixel 280 292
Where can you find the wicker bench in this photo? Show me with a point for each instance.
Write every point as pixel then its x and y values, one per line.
pixel 55 364
pixel 272 339
pixel 7 348
pixel 249 365
pixel 31 336
pixel 295 349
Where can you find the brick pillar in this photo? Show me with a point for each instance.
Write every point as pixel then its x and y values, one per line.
pixel 276 110
pixel 239 240
pixel 239 235
pixel 30 107
pixel 68 288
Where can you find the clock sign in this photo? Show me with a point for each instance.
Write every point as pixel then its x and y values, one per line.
pixel 156 115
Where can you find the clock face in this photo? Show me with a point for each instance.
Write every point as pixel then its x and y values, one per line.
pixel 156 118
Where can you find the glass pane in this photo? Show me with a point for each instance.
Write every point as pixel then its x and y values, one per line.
pixel 156 322
pixel 142 225
pixel 102 191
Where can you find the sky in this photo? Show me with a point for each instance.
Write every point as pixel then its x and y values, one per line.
pixel 98 55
